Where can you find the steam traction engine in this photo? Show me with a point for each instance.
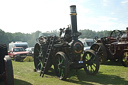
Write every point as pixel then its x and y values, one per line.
pixel 113 47
pixel 65 52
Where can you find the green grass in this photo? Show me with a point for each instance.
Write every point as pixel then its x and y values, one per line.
pixel 108 75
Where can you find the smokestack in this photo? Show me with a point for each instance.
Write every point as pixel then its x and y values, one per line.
pixel 74 21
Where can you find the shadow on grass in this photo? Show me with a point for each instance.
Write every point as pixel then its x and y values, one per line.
pixel 17 82
pixel 21 82
pixel 82 78
pixel 51 73
pixel 113 63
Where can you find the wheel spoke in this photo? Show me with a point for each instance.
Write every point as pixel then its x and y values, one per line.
pixel 39 64
pixel 100 52
pixel 61 66
pixel 98 48
pixel 91 68
pixel 94 65
pixel 60 60
pixel 38 50
pixel 87 66
pixel 62 73
pixel 87 57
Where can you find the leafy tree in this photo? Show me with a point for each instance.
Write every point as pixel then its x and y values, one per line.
pixel 6 37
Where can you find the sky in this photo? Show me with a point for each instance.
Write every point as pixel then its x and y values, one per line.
pixel 28 16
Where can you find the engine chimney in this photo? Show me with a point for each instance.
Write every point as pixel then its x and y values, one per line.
pixel 74 22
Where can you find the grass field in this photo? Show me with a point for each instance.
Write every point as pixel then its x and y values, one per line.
pixel 112 74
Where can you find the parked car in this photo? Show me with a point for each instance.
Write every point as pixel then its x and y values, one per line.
pixel 17 53
pixel 87 43
pixel 30 50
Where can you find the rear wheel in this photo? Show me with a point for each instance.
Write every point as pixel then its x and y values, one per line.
pixel 91 62
pixel 124 58
pixel 100 50
pixel 61 65
pixel 39 57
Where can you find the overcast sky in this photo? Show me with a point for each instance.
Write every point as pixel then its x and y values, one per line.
pixel 28 16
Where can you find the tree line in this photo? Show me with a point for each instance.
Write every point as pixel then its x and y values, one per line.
pixel 86 33
pixel 7 37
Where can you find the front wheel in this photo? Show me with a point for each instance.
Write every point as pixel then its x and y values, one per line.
pixel 91 62
pixel 61 65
